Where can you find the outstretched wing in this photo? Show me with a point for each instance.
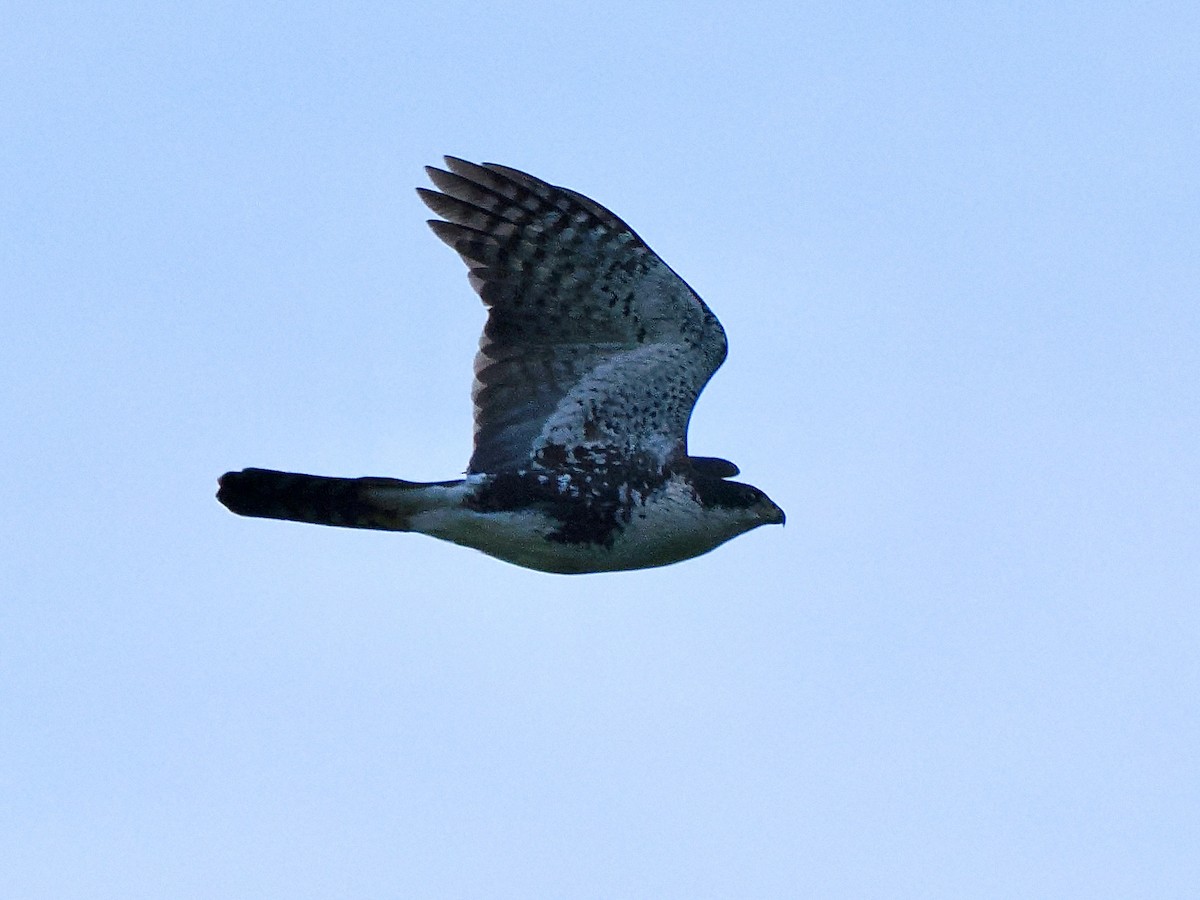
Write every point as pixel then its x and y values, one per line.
pixel 593 347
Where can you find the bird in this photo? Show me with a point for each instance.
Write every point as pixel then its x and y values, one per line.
pixel 592 358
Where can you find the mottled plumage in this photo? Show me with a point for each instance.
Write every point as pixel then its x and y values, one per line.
pixel 591 361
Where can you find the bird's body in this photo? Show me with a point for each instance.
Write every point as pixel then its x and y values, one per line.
pixel 591 361
pixel 540 520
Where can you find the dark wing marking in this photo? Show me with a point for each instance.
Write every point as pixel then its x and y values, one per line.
pixel 593 346
pixel 713 466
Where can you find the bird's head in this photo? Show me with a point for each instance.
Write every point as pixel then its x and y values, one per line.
pixel 751 506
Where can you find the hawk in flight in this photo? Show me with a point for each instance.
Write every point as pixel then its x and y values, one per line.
pixel 590 363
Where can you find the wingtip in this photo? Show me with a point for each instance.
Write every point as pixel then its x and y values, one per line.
pixel 434 200
pixel 459 166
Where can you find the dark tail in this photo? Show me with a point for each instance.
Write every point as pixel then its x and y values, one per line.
pixel 348 502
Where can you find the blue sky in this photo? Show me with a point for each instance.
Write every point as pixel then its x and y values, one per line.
pixel 955 250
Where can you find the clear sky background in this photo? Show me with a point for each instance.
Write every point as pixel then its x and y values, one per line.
pixel 956 247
